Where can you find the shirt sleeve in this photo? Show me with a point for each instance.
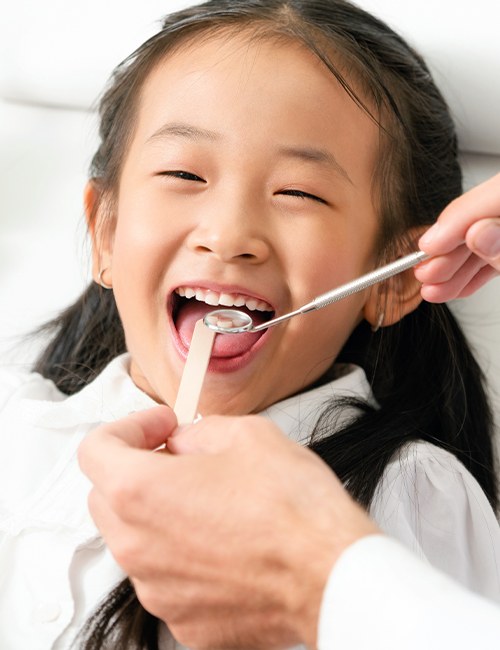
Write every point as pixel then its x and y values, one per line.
pixel 21 382
pixel 9 382
pixel 380 596
pixel 430 502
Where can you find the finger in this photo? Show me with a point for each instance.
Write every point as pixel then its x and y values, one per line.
pixel 483 238
pixel 117 534
pixel 211 435
pixel 216 434
pixel 485 275
pixel 482 201
pixel 109 524
pixel 442 268
pixel 438 293
pixel 453 288
pixel 115 446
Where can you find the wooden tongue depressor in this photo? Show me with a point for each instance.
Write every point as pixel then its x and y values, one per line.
pixel 186 404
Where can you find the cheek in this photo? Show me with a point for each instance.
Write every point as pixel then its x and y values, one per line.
pixel 314 340
pixel 325 254
pixel 329 328
pixel 323 268
pixel 138 281
pixel 329 260
pixel 143 248
pixel 323 333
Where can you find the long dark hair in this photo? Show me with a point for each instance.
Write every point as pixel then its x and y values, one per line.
pixel 423 375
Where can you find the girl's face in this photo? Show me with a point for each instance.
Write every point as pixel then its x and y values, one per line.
pixel 248 180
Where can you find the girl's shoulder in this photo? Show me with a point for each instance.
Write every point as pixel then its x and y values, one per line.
pixel 424 472
pixel 20 381
pixel 428 500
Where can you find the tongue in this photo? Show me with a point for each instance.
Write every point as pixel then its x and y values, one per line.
pixel 226 345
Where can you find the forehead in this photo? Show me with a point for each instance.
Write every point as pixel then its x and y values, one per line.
pixel 274 56
pixel 237 83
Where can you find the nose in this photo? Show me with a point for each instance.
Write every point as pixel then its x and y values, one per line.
pixel 232 235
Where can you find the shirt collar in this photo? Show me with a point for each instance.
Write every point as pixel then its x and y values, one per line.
pixel 113 395
pixel 297 416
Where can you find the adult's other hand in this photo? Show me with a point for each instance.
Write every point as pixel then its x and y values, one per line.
pixel 464 243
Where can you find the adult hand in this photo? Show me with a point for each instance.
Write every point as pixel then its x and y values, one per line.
pixel 230 539
pixel 464 243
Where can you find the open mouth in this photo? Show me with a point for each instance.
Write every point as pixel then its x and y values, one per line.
pixel 189 304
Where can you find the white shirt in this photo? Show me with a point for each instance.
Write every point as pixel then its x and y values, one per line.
pixel 54 566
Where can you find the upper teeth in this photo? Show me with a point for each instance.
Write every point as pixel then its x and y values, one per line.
pixel 214 298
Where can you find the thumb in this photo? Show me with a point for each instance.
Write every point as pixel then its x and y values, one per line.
pixel 483 238
pixel 210 435
pixel 112 443
pixel 148 429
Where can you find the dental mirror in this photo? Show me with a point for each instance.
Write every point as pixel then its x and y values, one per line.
pixel 229 321
pixel 233 321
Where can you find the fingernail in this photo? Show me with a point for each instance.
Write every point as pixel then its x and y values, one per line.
pixel 487 240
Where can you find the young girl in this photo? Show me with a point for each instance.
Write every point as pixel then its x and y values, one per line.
pixel 254 153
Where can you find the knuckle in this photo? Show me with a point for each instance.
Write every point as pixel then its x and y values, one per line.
pixel 92 502
pixel 154 600
pixel 127 552
pixel 82 453
pixel 125 496
pixel 189 637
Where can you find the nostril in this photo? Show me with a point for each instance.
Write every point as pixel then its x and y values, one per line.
pixel 218 250
pixel 204 249
pixel 226 255
pixel 229 244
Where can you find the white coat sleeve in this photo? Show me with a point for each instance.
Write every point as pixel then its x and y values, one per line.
pixel 380 596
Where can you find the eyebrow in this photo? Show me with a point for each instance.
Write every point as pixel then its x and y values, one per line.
pixel 321 156
pixel 180 130
pixel 308 154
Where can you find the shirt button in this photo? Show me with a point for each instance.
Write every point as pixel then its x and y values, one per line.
pixel 47 612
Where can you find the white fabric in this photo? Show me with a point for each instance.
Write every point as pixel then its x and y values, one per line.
pixel 297 415
pixel 380 596
pixel 54 565
pixel 430 502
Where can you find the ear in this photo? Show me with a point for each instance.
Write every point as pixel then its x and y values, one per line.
pixel 101 226
pixel 398 296
pixel 392 301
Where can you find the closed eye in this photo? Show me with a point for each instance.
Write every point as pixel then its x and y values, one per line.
pixel 303 195
pixel 186 176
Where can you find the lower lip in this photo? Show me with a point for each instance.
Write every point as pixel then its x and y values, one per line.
pixel 221 364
